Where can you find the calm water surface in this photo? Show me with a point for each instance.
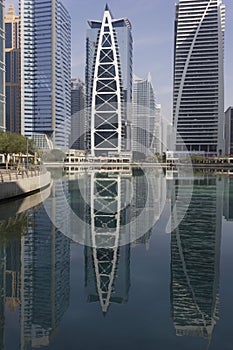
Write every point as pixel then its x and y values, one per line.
pixel 161 291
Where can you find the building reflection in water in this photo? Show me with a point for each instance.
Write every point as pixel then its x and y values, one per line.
pixel 35 273
pixel 107 275
pixel 114 208
pixel 195 260
pixel 228 199
pixel 11 229
pixel 35 258
pixel 45 275
pixel 117 200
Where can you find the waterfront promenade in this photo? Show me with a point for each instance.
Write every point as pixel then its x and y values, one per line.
pixel 20 183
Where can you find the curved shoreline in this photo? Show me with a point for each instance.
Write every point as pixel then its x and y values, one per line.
pixel 24 187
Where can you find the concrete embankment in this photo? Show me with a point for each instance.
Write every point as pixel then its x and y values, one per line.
pixel 24 186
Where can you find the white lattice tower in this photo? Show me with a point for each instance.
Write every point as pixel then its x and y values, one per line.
pixel 106 110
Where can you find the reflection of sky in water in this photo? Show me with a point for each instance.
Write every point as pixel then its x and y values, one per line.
pixel 160 285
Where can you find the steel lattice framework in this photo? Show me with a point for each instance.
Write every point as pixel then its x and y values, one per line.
pixel 106 216
pixel 106 110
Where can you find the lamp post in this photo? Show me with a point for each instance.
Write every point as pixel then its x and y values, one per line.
pixel 27 154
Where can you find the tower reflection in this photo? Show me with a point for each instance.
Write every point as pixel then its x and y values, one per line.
pixel 34 270
pixel 117 200
pixel 195 260
pixel 45 275
pixel 228 199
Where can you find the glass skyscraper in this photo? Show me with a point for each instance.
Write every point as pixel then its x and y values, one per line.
pixel 46 70
pixel 198 95
pixel 13 85
pixel 78 104
pixel 109 85
pixel 146 118
pixel 2 69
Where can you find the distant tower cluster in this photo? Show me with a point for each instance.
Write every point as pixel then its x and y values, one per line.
pixel 13 79
pixel 109 85
pixel 37 70
pixel 198 96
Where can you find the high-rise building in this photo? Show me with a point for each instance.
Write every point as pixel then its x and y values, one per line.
pixel 146 125
pixel 78 110
pixel 46 70
pixel 109 85
pixel 229 130
pixel 12 59
pixel 198 95
pixel 2 69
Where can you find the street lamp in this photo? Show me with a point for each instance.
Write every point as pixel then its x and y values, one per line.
pixel 27 154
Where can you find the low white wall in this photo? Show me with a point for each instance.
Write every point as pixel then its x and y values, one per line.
pixel 24 186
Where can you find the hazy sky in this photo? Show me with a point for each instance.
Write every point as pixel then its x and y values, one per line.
pixel 152 22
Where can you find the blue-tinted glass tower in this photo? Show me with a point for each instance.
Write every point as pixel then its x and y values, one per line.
pixel 198 83
pixel 46 70
pixel 12 60
pixel 2 69
pixel 109 85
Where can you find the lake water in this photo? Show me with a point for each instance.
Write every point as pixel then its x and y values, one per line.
pixel 119 260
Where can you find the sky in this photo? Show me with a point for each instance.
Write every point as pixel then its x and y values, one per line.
pixel 153 35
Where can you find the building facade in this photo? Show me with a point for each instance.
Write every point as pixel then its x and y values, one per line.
pixel 109 85
pixel 78 110
pixel 229 130
pixel 46 70
pixel 2 69
pixel 146 125
pixel 198 91
pixel 12 60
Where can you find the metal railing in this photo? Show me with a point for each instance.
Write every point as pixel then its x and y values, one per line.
pixel 13 174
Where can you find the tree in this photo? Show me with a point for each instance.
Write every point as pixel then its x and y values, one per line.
pixel 14 143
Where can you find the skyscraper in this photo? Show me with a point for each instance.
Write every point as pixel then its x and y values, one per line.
pixel 46 70
pixel 109 85
pixel 2 70
pixel 198 95
pixel 78 109
pixel 12 57
pixel 146 118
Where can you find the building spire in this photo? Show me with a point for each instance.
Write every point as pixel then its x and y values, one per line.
pixel 11 12
pixel 149 77
pixel 108 9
